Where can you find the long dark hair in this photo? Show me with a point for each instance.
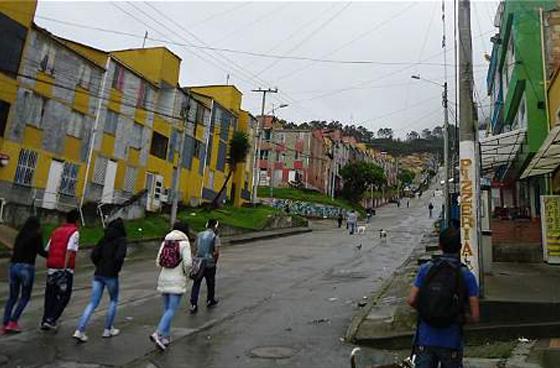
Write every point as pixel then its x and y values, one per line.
pixel 31 229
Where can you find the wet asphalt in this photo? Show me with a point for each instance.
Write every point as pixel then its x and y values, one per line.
pixel 284 302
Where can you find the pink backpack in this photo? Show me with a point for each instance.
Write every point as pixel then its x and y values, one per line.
pixel 170 256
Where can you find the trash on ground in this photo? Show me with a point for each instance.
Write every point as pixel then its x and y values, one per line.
pixel 320 320
pixel 523 340
pixel 333 299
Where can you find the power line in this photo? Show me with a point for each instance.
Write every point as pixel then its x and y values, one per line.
pixel 308 37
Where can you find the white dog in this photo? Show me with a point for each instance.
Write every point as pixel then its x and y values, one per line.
pixel 361 229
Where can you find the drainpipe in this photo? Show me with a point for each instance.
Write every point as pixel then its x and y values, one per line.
pixel 547 177
pixel 2 204
pixel 94 131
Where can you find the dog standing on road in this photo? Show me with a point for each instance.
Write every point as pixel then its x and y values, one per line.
pixel 361 229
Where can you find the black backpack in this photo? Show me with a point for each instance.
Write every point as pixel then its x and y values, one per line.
pixel 442 297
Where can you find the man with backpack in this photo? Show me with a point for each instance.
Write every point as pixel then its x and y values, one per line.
pixel 62 247
pixel 445 294
pixel 205 262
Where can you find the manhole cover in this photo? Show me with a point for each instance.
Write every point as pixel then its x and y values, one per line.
pixel 273 352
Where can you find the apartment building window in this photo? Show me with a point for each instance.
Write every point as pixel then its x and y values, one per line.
pixel 197 149
pixel 200 114
pixel 136 136
pixel 99 170
pixel 267 134
pixel 4 110
pixel 11 44
pixel 118 77
pixel 159 145
pixel 111 121
pixel 142 94
pixel 69 179
pixel 296 155
pixel 130 179
pixel 27 161
pixel 36 106
pixel 510 60
pixel 75 125
pixel 48 54
pixel 84 76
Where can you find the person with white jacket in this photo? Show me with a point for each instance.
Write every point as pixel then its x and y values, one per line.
pixel 174 259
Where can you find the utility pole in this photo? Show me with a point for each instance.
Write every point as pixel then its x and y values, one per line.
pixel 468 148
pixel 258 139
pixel 446 201
pixel 177 179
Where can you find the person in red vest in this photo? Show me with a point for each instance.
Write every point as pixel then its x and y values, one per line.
pixel 62 247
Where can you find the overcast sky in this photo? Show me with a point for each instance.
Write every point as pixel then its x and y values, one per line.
pixel 397 35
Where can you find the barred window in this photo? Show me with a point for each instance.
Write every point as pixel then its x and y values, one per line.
pixel 130 179
pixel 136 136
pixel 26 167
pixel 111 121
pixel 159 145
pixel 99 170
pixel 69 179
pixel 75 125
pixel 84 76
pixel 35 108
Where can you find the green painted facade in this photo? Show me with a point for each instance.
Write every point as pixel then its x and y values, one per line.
pixel 520 24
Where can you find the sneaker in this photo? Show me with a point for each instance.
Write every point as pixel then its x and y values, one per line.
pixel 110 332
pixel 165 340
pixel 80 336
pixel 211 303
pixel 12 327
pixel 157 340
pixel 193 309
pixel 48 326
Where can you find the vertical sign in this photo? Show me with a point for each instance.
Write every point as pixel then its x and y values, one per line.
pixel 550 215
pixel 469 207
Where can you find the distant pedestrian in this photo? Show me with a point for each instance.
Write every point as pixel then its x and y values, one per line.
pixel 352 221
pixel 445 294
pixel 174 260
pixel 207 253
pixel 28 243
pixel 339 219
pixel 408 203
pixel 398 203
pixel 108 257
pixel 431 209
pixel 368 215
pixel 62 247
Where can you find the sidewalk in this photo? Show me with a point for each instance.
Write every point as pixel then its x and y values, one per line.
pixel 522 300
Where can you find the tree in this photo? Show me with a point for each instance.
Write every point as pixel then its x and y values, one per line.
pixel 426 133
pixel 386 133
pixel 412 136
pixel 358 176
pixel 239 147
pixel 437 132
pixel 406 177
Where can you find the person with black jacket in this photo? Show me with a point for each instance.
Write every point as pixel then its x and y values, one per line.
pixel 108 257
pixel 29 243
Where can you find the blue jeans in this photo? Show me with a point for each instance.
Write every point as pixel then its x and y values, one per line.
pixel 170 306
pixel 97 286
pixel 429 357
pixel 352 228
pixel 21 279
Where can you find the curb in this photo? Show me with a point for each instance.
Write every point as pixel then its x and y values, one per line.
pixel 357 320
pixel 256 236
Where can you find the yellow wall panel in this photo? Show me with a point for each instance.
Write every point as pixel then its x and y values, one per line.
pixel 133 156
pixel 72 148
pixel 107 144
pixel 33 137
pixel 140 116
pixel 44 84
pixel 41 174
pixel 22 11
pixel 8 88
pixel 115 97
pixel 81 100
pixel 121 172
pixel 554 101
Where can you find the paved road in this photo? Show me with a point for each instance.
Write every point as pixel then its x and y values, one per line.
pixel 289 298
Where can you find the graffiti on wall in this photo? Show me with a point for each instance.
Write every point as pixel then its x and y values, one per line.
pixel 304 208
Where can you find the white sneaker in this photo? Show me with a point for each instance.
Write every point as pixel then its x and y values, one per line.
pixel 110 333
pixel 80 336
pixel 157 340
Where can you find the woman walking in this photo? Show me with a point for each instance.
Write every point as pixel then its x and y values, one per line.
pixel 29 243
pixel 174 259
pixel 108 257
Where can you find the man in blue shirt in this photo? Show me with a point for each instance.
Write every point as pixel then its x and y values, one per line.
pixel 208 249
pixel 435 345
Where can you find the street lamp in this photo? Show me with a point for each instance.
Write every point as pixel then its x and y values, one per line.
pixel 447 211
pixel 271 144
